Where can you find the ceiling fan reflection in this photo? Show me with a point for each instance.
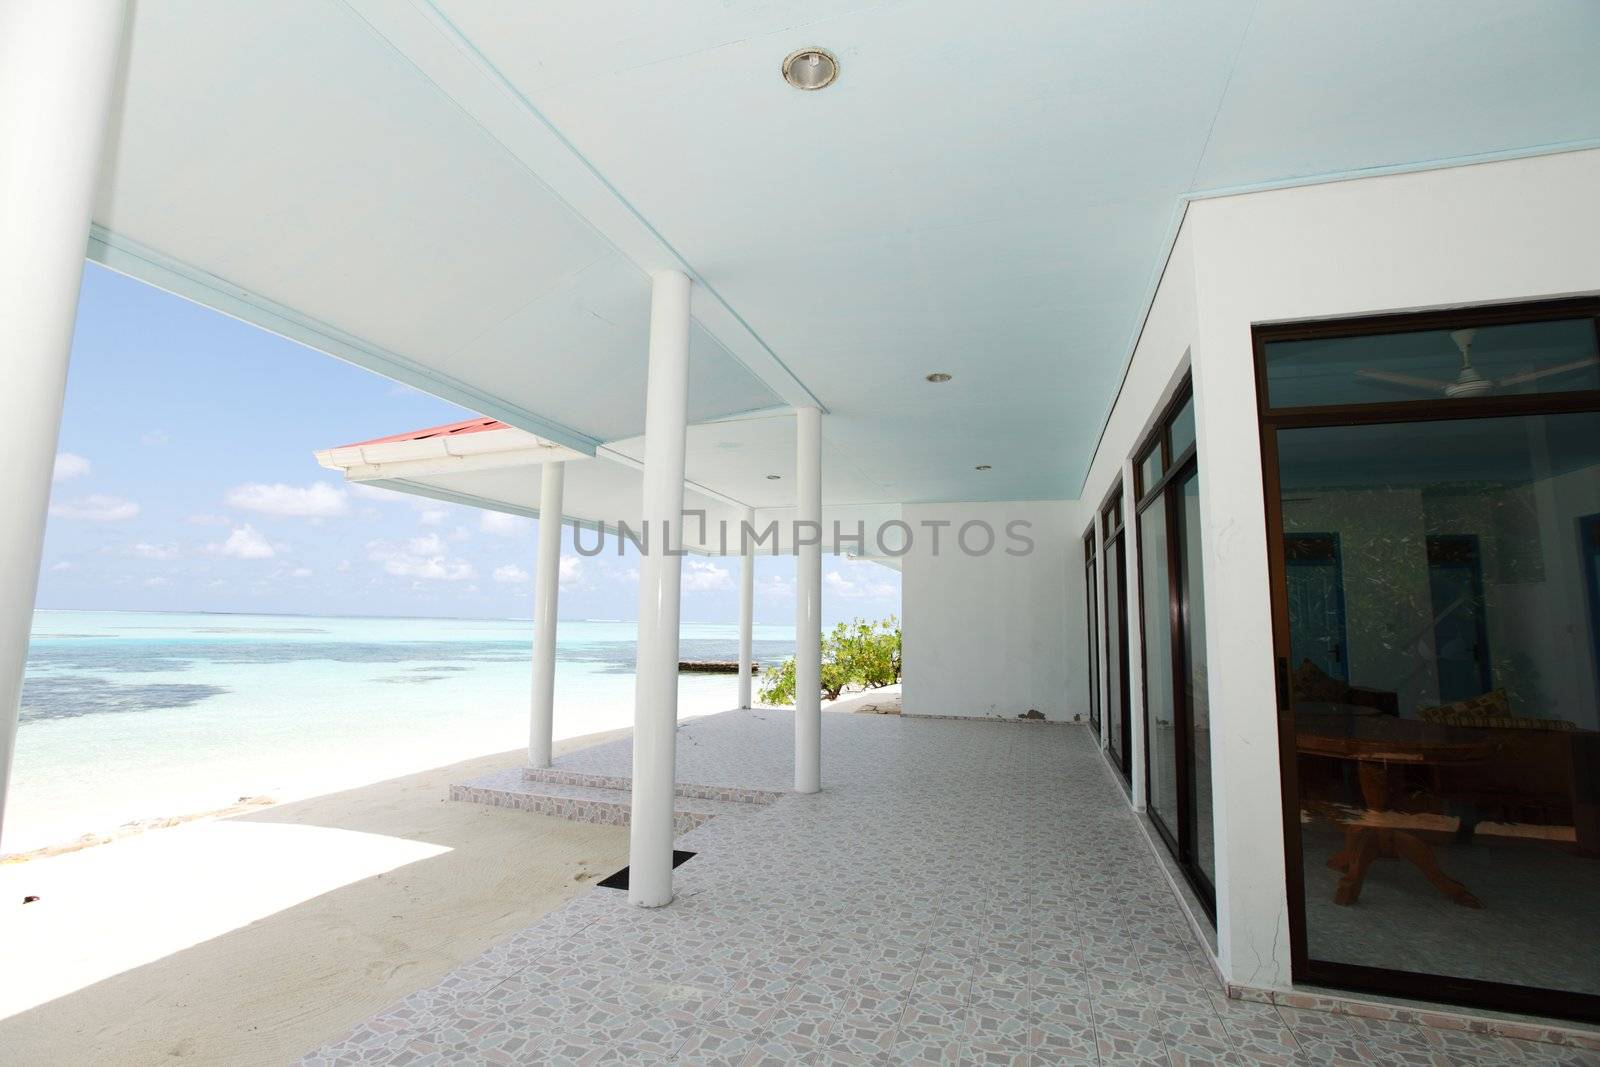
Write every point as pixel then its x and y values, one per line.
pixel 1469 383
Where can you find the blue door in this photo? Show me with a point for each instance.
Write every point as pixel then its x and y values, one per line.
pixel 1460 633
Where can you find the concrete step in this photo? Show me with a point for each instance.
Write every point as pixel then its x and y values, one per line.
pixel 688 790
pixel 600 804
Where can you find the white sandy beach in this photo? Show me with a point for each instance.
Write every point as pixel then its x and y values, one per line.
pixel 252 938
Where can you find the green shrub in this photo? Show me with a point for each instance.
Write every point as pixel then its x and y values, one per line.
pixel 853 653
pixel 777 684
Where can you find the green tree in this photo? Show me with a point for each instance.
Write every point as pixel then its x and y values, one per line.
pixel 857 653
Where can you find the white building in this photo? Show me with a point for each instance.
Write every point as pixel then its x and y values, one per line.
pixel 1277 329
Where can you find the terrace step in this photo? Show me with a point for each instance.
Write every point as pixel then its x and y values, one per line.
pixel 605 805
pixel 689 790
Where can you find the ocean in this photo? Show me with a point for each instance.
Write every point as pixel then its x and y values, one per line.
pixel 134 716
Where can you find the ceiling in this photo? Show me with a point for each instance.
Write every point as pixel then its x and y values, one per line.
pixel 468 195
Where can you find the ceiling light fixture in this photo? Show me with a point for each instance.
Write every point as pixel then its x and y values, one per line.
pixel 939 376
pixel 983 467
pixel 811 68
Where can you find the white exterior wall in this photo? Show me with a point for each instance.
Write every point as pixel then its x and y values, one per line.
pixel 1492 233
pixel 1153 377
pixel 994 635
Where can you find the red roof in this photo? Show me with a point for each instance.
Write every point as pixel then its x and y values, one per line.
pixel 452 429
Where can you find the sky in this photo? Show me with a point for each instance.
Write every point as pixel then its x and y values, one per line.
pixel 185 481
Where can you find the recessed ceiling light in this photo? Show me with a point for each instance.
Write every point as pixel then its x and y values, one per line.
pixel 939 376
pixel 810 68
pixel 774 477
pixel 983 467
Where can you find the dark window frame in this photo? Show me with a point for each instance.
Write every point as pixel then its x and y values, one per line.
pixel 1387 981
pixel 1091 570
pixel 1176 470
pixel 1114 558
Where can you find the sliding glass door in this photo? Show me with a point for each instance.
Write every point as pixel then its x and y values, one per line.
pixel 1431 485
pixel 1172 621
pixel 1091 596
pixel 1118 712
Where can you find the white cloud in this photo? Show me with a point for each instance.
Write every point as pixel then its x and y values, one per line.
pixel 460 534
pixel 774 586
pixel 433 516
pixel 703 576
pixel 420 557
pixel 243 543
pixel 861 587
pixel 143 550
pixel 501 524
pixel 511 573
pixel 153 582
pixel 317 500
pixel 300 572
pixel 61 566
pixel 343 567
pixel 571 571
pixel 96 508
pixel 69 465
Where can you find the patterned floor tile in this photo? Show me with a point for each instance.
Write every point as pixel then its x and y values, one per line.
pixel 885 921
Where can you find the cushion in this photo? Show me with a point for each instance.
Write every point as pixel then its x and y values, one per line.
pixel 1313 684
pixel 1491 705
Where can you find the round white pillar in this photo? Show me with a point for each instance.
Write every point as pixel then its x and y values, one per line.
pixel 58 63
pixel 808 602
pixel 747 605
pixel 546 593
pixel 655 711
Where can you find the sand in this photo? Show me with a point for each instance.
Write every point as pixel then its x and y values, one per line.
pixel 253 938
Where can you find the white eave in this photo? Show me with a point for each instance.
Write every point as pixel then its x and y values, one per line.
pixel 487 450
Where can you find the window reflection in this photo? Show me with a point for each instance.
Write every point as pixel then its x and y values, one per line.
pixel 1442 587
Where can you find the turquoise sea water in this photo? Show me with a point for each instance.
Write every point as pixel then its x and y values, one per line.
pixel 130 716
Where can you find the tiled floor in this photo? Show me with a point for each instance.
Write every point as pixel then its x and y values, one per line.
pixel 961 892
pixel 749 749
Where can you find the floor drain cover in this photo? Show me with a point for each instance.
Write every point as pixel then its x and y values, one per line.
pixel 620 879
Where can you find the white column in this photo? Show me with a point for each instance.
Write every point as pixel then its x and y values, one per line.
pixel 808 602
pixel 655 713
pixel 546 592
pixel 747 605
pixel 58 62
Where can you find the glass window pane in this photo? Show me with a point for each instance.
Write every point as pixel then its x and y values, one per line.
pixel 1182 432
pixel 1150 468
pixel 1194 680
pixel 1092 596
pixel 1428 365
pixel 1116 653
pixel 1155 592
pixel 1112 516
pixel 1444 694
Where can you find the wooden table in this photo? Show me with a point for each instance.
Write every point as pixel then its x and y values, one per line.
pixel 1382 747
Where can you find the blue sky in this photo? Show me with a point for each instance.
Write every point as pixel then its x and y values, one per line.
pixel 185 482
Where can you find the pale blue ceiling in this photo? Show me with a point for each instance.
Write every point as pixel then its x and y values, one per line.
pixel 987 191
